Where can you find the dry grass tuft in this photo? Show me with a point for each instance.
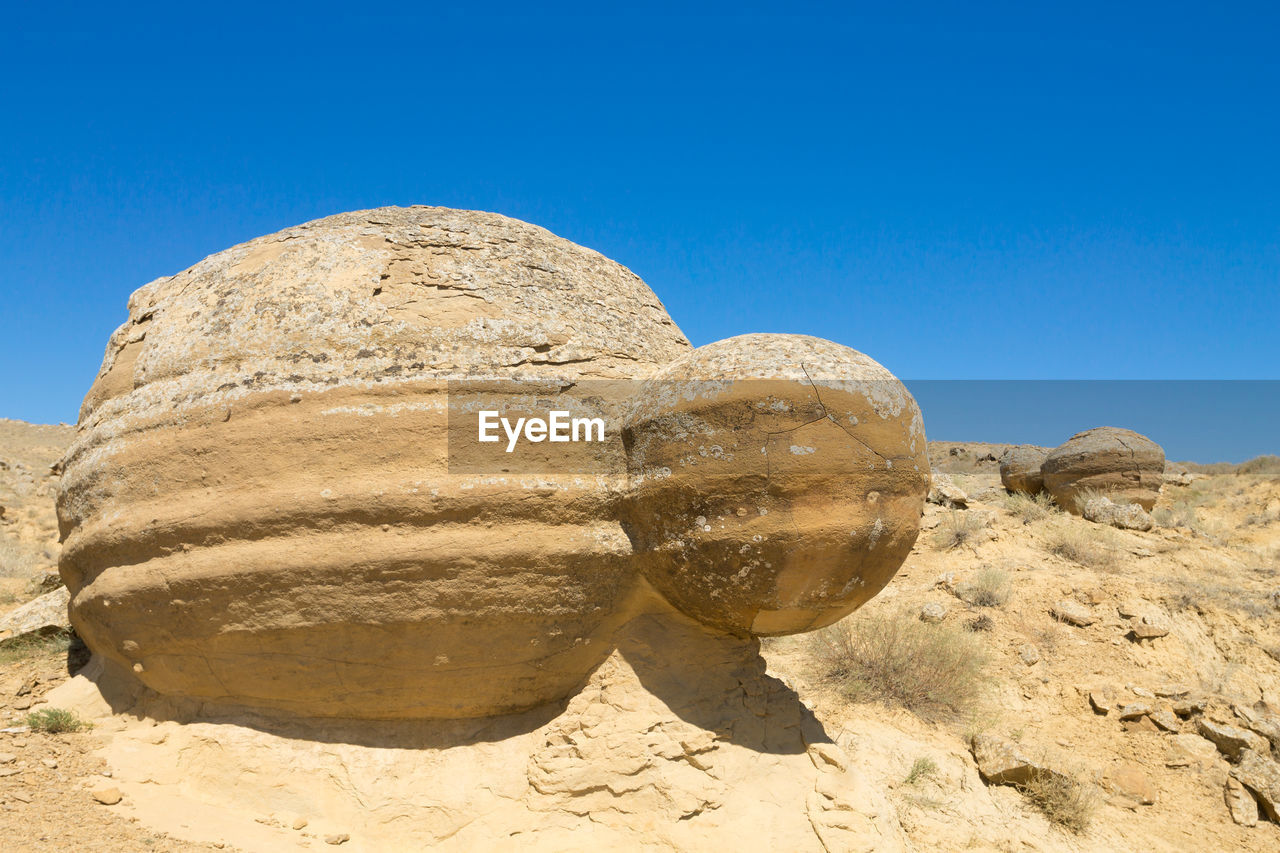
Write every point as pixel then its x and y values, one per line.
pixel 1201 595
pixel 933 670
pixel 17 560
pixel 988 588
pixel 960 528
pixel 981 623
pixel 1181 514
pixel 1065 801
pixel 1083 543
pixel 34 646
pixel 1030 509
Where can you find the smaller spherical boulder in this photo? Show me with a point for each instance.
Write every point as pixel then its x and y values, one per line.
pixel 1118 462
pixel 778 482
pixel 1020 469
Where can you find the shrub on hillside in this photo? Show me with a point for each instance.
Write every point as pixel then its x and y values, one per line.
pixel 897 660
pixel 55 721
pixel 988 588
pixel 1029 509
pixel 959 528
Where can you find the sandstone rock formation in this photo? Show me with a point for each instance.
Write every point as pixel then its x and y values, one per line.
pixel 1115 461
pixel 1020 469
pixel 266 505
pixel 44 615
pixel 1126 516
pixel 944 492
pixel 778 482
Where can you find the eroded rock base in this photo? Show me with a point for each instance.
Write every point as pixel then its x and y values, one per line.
pixel 679 740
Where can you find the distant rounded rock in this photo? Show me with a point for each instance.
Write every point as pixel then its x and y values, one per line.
pixel 779 481
pixel 1118 462
pixel 1020 469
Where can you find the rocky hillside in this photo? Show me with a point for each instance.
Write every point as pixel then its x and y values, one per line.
pixel 28 523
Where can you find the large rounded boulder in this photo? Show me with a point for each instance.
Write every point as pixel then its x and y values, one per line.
pixel 270 504
pixel 1121 463
pixel 259 508
pixel 779 482
pixel 1020 469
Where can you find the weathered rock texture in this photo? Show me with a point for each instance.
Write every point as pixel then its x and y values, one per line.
pixel 41 616
pixel 678 741
pixel 1020 469
pixel 1102 510
pixel 1115 461
pixel 778 482
pixel 262 507
pixel 944 492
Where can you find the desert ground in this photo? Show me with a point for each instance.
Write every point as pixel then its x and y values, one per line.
pixel 1100 655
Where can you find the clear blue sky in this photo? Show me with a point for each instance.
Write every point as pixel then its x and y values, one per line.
pixel 1085 191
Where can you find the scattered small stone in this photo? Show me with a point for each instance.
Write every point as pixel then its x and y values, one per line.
pixel 1261 776
pixel 22 703
pixel 20 796
pixel 1073 614
pixel 337 838
pixel 1141 691
pixel 9 771
pixel 1030 654
pixel 1135 710
pixel 1264 724
pixel 1231 741
pixel 1172 691
pixel 50 763
pixel 107 796
pixel 1131 782
pixel 1165 720
pixel 944 492
pixel 1187 749
pixel 1100 700
pixel 1000 762
pixel 1142 724
pixel 7 758
pixel 1102 510
pixel 1189 706
pixel 1145 630
pixel 1240 803
pixel 299 823
pixel 933 612
pixel 828 756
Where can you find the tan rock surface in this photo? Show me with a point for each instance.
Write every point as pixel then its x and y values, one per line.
pixel 778 482
pixel 1117 461
pixel 652 754
pixel 1020 469
pixel 44 615
pixel 259 507
pixel 269 504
